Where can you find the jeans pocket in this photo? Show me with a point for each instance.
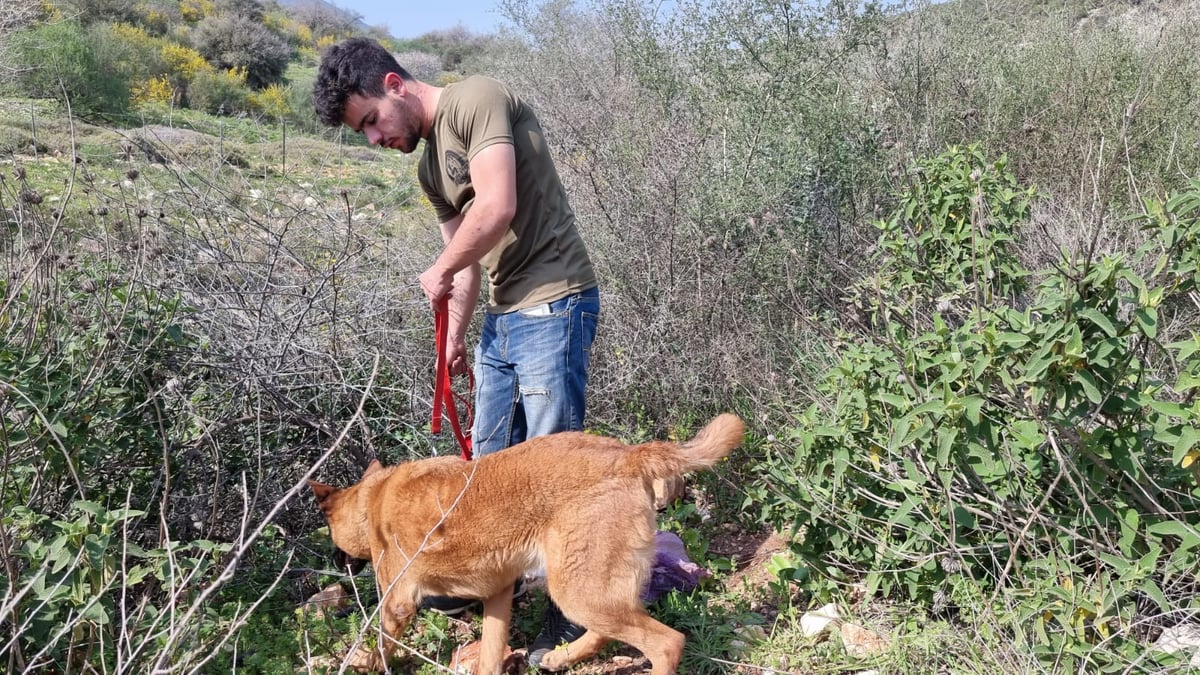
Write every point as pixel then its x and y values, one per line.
pixel 589 320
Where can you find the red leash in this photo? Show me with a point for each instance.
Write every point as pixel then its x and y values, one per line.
pixel 443 391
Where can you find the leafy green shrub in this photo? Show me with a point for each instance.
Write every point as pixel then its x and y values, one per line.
pixel 84 592
pixel 64 59
pixel 89 427
pixel 1037 449
pixel 219 92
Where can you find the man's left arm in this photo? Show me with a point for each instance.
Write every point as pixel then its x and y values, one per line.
pixel 494 177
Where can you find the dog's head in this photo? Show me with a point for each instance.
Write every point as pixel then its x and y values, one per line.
pixel 347 522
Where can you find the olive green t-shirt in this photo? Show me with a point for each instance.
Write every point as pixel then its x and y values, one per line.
pixel 541 258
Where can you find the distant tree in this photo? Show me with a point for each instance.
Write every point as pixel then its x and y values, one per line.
pixel 455 45
pixel 250 9
pixel 325 19
pixel 232 41
pixel 422 65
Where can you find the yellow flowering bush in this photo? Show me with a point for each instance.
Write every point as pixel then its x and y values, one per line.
pixel 272 101
pixel 134 35
pixel 195 10
pixel 152 91
pixel 183 63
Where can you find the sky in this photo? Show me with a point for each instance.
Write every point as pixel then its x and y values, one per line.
pixel 411 18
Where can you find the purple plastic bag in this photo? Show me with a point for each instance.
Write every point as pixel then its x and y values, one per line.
pixel 672 571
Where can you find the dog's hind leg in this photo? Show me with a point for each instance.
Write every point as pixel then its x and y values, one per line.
pixel 661 644
pixel 588 645
pixel 497 614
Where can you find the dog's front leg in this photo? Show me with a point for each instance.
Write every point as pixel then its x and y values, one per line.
pixel 497 614
pixel 394 620
pixel 395 615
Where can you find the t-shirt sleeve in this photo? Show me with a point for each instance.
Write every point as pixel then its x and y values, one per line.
pixel 483 117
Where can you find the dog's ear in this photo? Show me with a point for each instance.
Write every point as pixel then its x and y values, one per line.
pixel 321 490
pixel 372 468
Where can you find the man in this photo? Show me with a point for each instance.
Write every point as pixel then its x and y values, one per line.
pixel 487 171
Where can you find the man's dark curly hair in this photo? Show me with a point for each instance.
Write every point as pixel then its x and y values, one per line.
pixel 356 66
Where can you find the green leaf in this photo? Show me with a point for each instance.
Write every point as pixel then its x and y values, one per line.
pixel 973 405
pixel 894 400
pixel 945 443
pixel 89 507
pixel 1186 348
pixel 1174 528
pixel 1012 339
pixel 58 428
pixel 1090 389
pixel 1129 529
pixel 899 433
pixel 1187 382
pixel 828 431
pixel 119 515
pixel 1168 408
pixel 1155 593
pixel 903 486
pixel 1103 322
pixel 1147 319
pixel 933 406
pixel 1028 433
pixel 1189 437
pixel 96 613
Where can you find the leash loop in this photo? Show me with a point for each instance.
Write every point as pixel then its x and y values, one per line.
pixel 444 396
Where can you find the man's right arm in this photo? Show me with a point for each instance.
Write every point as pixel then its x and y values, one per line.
pixel 463 298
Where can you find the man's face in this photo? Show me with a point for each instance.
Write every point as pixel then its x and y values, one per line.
pixel 391 121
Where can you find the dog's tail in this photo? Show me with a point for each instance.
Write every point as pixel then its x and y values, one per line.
pixel 662 459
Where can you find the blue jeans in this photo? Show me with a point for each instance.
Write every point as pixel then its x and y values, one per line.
pixel 531 370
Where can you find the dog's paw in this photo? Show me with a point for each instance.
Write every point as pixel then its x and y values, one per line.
pixel 465 660
pixel 555 660
pixel 364 660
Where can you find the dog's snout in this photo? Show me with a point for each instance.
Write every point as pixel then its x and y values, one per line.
pixel 343 560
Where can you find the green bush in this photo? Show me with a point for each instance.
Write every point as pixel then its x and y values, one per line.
pixel 219 92
pixel 73 570
pixel 99 11
pixel 977 441
pixel 91 427
pixel 65 60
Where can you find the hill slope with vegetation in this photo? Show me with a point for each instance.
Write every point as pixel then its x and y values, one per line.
pixel 943 257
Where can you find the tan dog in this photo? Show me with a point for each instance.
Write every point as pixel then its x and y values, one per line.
pixel 579 505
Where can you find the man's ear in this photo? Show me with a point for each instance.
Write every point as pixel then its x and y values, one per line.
pixel 321 490
pixel 393 83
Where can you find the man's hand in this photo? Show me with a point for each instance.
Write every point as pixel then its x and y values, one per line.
pixel 436 284
pixel 456 356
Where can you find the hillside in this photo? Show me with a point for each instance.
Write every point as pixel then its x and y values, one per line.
pixel 942 258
